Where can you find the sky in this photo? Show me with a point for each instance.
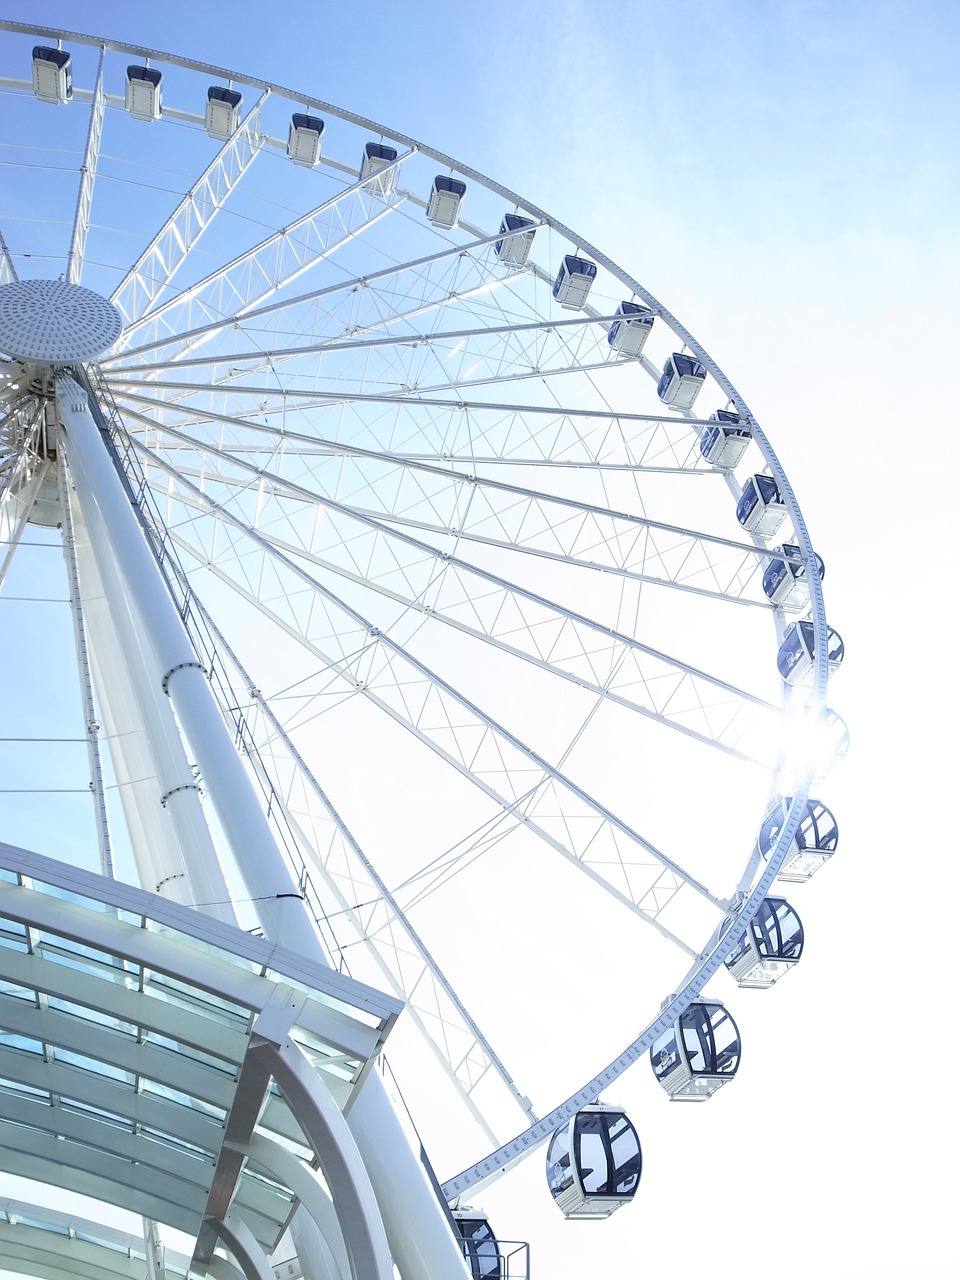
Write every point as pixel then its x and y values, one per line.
pixel 782 176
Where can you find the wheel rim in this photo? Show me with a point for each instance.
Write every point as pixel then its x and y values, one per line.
pixel 396 512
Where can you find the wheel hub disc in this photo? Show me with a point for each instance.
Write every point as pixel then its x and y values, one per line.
pixel 50 320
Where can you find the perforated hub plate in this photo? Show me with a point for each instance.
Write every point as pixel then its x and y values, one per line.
pixel 55 321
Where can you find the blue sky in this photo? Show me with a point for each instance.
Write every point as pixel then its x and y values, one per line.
pixel 783 176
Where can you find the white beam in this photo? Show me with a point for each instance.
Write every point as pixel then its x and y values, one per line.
pixel 423 1226
pixel 88 175
pixel 160 794
pixel 154 269
pixel 345 1171
pixel 8 272
pixel 179 673
pixel 243 1245
pixel 91 723
pixel 315 1201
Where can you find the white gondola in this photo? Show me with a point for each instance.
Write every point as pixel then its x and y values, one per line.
pixel 443 207
pixel 222 117
pixel 697 1055
pixel 630 329
pixel 375 171
pixel 481 1249
pixel 516 239
pixel 797 653
pixel 594 1162
pixel 303 140
pixel 815 840
pixel 726 443
pixel 52 77
pixel 143 93
pixel 573 282
pixel 761 509
pixel 785 578
pixel 772 944
pixel 681 380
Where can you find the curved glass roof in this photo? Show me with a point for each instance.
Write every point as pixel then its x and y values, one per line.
pixel 125 1026
pixel 35 1240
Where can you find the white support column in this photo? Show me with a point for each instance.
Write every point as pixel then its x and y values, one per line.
pixel 408 1203
pixel 154 1251
pixel 177 671
pixel 320 1244
pixel 241 1242
pixel 344 1170
pixel 168 819
pixel 419 1235
pixel 83 665
pixel 313 1254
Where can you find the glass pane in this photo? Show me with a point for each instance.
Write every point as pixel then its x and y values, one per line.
pixel 664 1055
pixel 559 1174
pixel 726 1042
pixel 93 1065
pixel 10 1041
pixel 625 1151
pixel 13 935
pixel 765 930
pixel 92 1015
pixel 190 1051
pixel 479 1247
pixel 162 987
pixel 592 1163
pixel 693 1044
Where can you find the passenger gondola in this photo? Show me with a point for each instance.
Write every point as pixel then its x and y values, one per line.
pixel 516 239
pixel 573 282
pixel 222 116
pixel 630 329
pixel 797 653
pixel 761 509
pixel 443 207
pixel 785 578
pixel 681 380
pixel 697 1055
pixel 142 96
pixel 481 1249
pixel 303 140
pixel 594 1162
pixel 726 443
pixel 52 77
pixel 376 173
pixel 815 840
pixel 772 944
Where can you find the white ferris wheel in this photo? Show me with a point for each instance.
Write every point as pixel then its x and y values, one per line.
pixel 432 600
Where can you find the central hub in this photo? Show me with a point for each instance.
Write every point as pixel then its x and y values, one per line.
pixel 53 322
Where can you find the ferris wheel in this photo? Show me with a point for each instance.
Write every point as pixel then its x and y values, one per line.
pixel 501 589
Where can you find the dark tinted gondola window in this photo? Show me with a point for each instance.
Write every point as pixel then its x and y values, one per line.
pixel 592 1158
pixel 625 1151
pixel 559 1173
pixel 726 1043
pixel 664 1055
pixel 479 1247
pixel 694 1041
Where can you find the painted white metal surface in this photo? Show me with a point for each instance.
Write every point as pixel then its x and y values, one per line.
pixel 487 362
pixel 52 320
pixel 421 1226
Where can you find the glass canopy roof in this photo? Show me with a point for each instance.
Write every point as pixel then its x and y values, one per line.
pixel 131 1035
